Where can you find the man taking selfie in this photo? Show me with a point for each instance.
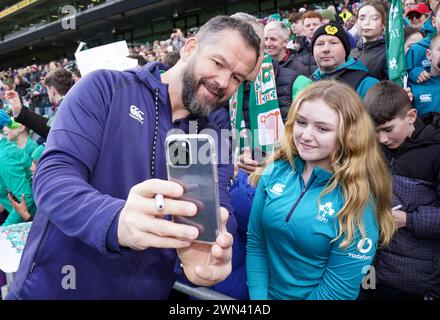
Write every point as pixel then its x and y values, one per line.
pixel 104 163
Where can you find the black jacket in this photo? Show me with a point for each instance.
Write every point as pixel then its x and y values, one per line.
pixel 284 79
pixel 293 63
pixel 34 121
pixel 411 263
pixel 373 55
pixel 304 56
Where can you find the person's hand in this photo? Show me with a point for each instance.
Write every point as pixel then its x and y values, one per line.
pixel 14 100
pixel 207 264
pixel 410 94
pixel 423 77
pixel 246 163
pixel 400 218
pixel 20 207
pixel 141 224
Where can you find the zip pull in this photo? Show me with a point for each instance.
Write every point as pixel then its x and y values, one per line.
pixel 310 182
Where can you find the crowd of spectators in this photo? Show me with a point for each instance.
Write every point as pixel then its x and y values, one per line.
pixel 342 41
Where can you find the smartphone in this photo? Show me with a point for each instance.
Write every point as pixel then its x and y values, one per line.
pixel 12 196
pixel 192 163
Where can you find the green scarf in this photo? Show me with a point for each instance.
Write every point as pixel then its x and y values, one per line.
pixel 266 124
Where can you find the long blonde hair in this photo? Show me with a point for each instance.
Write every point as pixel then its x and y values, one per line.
pixel 357 162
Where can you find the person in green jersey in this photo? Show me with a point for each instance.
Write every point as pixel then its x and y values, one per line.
pixel 19 134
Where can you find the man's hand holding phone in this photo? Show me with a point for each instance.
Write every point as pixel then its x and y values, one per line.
pixel 141 226
pixel 20 207
pixel 205 264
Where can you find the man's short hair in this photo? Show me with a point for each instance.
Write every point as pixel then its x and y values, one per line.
pixel 256 23
pixel 310 15
pixel 278 25
pixel 245 17
pixel 60 79
pixel 221 23
pixel 386 101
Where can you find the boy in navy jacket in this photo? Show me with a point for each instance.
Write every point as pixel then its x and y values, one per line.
pixel 409 268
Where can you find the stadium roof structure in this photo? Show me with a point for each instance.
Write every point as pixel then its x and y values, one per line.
pixel 40 30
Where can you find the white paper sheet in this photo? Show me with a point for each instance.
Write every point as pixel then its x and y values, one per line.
pixel 9 258
pixel 111 56
pixel 12 241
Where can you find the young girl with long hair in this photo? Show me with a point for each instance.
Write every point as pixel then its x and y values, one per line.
pixel 323 201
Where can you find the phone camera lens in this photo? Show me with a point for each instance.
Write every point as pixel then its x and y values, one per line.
pixel 180 154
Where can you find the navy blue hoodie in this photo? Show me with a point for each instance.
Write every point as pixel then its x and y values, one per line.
pixel 99 147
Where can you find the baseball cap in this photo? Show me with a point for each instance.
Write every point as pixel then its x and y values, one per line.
pixel 419 8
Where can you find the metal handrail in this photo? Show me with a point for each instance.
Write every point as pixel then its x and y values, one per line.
pixel 200 293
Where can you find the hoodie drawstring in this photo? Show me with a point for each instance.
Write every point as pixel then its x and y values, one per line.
pixel 156 127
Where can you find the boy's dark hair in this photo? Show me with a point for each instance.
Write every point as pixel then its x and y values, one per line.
pixel 60 79
pixel 409 31
pixel 171 58
pixel 386 101
pixel 141 60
